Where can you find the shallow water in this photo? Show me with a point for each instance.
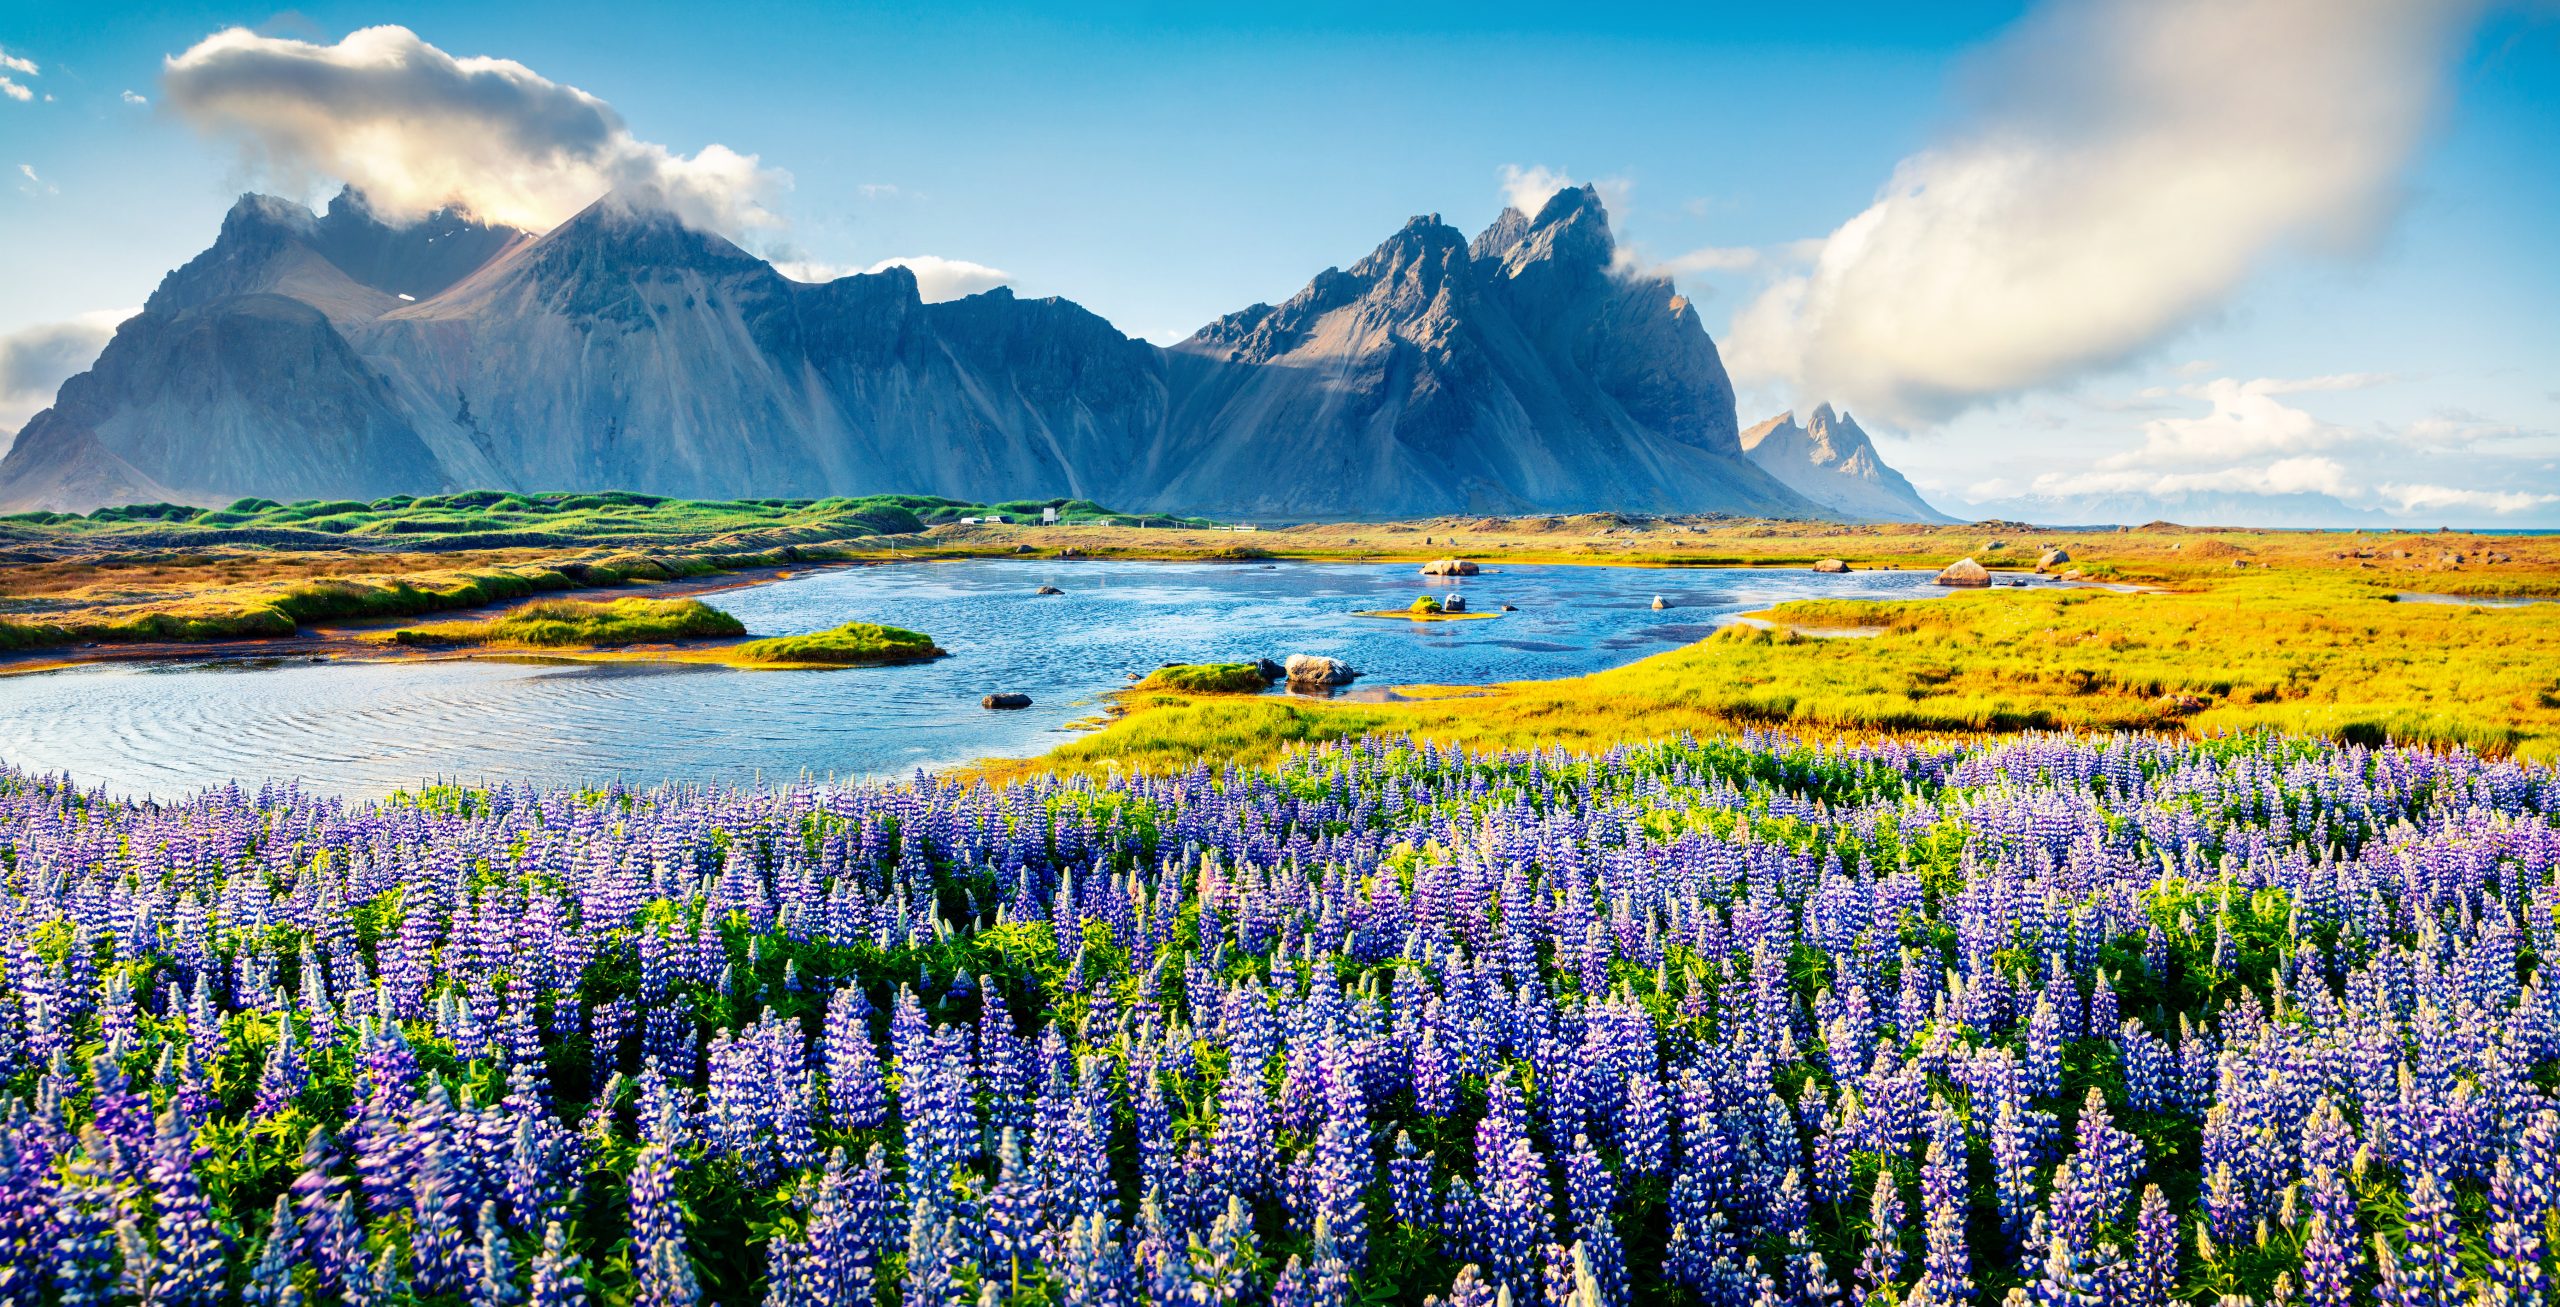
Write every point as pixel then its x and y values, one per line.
pixel 2467 601
pixel 363 729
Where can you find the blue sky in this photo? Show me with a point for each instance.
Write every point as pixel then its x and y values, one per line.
pixel 1165 164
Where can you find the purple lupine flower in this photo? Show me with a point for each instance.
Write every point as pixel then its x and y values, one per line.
pixel 271 1274
pixel 1945 1272
pixel 2154 1277
pixel 1882 1265
pixel 2424 1271
pixel 1409 1184
pixel 2514 1238
pixel 854 1096
pixel 192 1248
pixel 559 1274
pixel 657 1224
pixel 1511 1180
pixel 493 1279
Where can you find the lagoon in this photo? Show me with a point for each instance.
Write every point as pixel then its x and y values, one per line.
pixel 363 729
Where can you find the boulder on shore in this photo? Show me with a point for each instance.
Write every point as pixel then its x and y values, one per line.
pixel 1832 565
pixel 1448 567
pixel 1005 701
pixel 2053 558
pixel 1966 572
pixel 1315 669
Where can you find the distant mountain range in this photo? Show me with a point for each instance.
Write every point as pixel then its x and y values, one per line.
pixel 333 356
pixel 2193 508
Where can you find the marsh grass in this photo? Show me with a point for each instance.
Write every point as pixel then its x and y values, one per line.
pixel 1206 678
pixel 854 644
pixel 576 624
pixel 2324 655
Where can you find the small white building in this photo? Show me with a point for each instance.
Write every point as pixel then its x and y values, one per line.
pixel 1049 515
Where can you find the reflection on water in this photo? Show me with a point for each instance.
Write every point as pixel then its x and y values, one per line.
pixel 361 729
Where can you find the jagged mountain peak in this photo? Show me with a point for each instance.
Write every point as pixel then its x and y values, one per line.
pixel 1831 460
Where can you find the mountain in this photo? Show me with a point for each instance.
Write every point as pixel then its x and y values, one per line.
pixel 335 356
pixel 1830 460
pixel 1513 373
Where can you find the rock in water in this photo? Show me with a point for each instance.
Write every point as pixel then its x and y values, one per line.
pixel 1315 669
pixel 1005 701
pixel 1831 565
pixel 1965 572
pixel 1448 567
pixel 1048 590
pixel 1454 604
pixel 1660 602
pixel 1270 670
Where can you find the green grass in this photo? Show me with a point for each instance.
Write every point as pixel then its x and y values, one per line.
pixel 574 624
pixel 1425 604
pixel 854 644
pixel 1207 678
pixel 483 519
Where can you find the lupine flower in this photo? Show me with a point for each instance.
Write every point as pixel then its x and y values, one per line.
pixel 1585 966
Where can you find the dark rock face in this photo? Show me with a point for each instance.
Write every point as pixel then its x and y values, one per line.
pixel 1830 460
pixel 332 356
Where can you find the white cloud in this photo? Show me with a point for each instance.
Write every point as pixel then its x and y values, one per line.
pixel 2285 476
pixel 417 129
pixel 1528 189
pixel 2245 422
pixel 2135 162
pixel 136 97
pixel 814 271
pixel 939 279
pixel 2428 499
pixel 35 361
pixel 24 67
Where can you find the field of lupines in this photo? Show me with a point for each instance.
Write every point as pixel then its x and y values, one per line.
pixel 1745 1023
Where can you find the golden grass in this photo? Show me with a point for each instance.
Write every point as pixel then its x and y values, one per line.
pixel 2315 653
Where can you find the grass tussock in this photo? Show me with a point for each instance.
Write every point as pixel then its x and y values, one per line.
pixel 1207 678
pixel 576 624
pixel 854 644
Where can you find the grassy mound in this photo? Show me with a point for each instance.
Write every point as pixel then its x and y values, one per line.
pixel 1207 678
pixel 572 624
pixel 854 644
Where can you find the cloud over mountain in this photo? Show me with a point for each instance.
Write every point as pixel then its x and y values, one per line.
pixel 34 361
pixel 2132 163
pixel 417 129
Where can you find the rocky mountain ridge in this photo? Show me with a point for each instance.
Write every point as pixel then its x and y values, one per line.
pixel 331 356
